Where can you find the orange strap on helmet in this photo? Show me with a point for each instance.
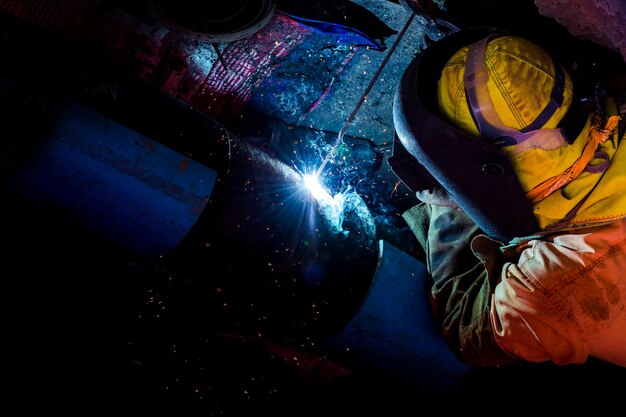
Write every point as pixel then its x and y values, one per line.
pixel 596 137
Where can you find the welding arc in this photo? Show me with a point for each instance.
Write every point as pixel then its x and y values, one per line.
pixel 350 119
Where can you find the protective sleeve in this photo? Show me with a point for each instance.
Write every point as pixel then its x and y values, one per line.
pixel 528 324
pixel 560 298
pixel 461 282
pixel 564 298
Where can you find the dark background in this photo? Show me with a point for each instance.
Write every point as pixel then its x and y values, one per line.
pixel 90 328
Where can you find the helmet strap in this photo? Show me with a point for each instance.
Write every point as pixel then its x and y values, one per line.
pixel 485 117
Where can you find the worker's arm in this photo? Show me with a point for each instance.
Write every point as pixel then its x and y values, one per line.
pixel 564 299
pixel 461 282
pixel 558 299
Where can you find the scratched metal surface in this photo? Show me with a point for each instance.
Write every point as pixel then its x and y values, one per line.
pixel 284 70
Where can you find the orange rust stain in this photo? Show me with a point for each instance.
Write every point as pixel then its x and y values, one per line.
pixel 183 165
pixel 149 144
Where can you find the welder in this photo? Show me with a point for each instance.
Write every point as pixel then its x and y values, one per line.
pixel 520 170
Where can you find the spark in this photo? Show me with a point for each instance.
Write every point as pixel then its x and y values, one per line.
pixel 311 182
pixel 331 207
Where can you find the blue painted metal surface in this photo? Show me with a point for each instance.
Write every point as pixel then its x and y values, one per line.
pixel 126 188
pixel 393 334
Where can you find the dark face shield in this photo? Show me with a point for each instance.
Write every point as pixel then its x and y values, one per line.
pixel 428 152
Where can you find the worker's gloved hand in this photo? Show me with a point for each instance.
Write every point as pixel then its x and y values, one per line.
pixel 437 196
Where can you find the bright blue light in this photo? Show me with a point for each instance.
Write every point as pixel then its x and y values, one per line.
pixel 330 207
pixel 311 182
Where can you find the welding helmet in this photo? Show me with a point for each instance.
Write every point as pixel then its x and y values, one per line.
pixel 462 105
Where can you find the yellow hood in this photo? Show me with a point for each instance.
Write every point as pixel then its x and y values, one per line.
pixel 588 199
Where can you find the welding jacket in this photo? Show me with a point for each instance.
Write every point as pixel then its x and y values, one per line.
pixel 557 296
